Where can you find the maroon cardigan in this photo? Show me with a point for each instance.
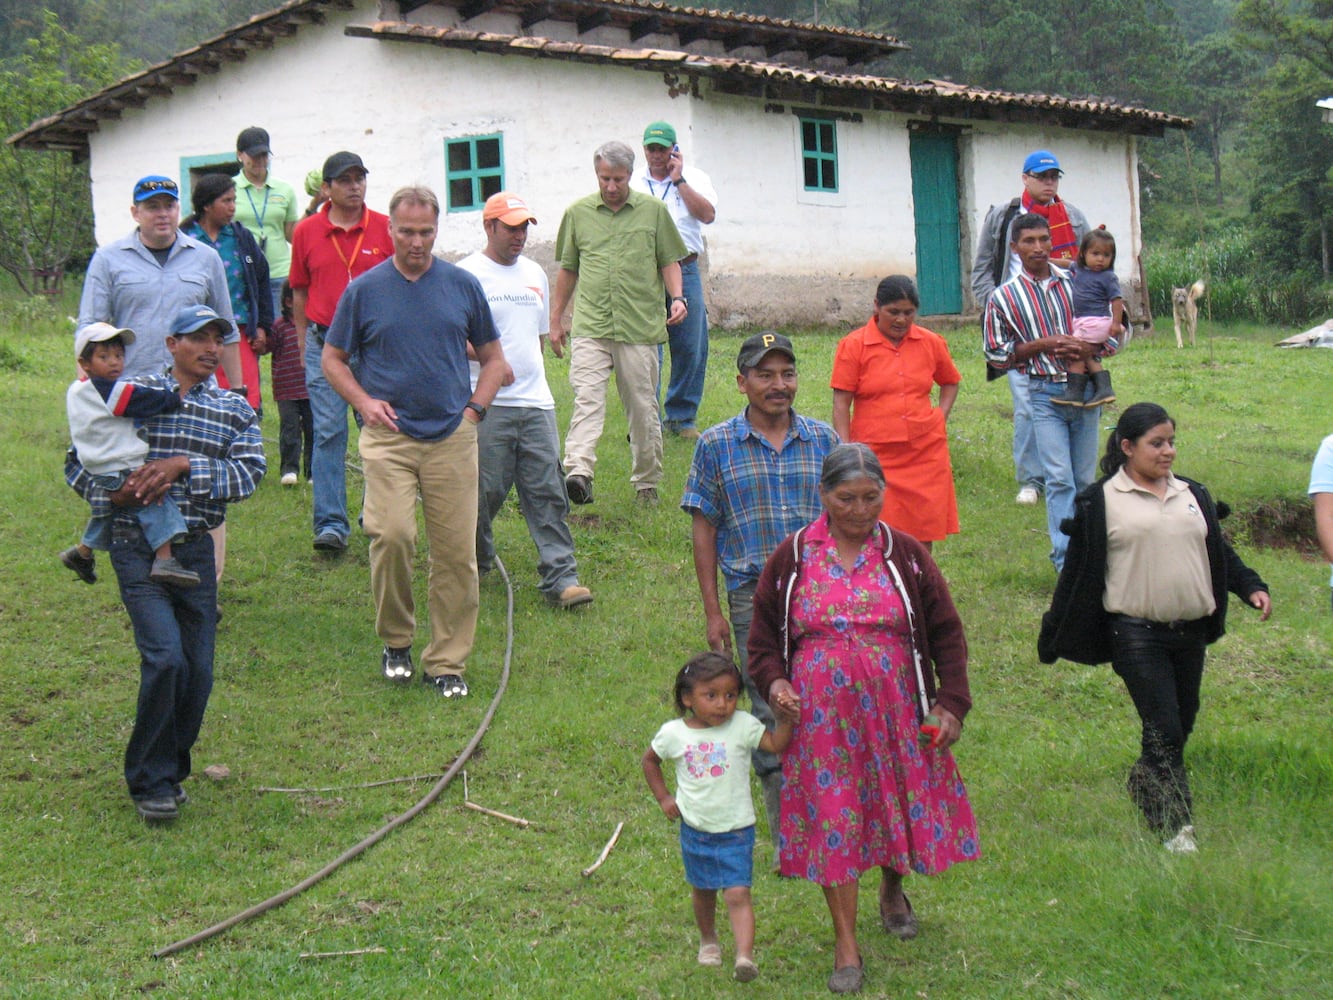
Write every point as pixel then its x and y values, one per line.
pixel 937 633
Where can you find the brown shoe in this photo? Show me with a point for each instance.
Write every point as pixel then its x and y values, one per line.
pixel 571 597
pixel 903 926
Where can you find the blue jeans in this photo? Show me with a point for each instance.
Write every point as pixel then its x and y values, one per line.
pixel 519 446
pixel 174 631
pixel 1162 667
pixel 1067 446
pixel 328 460
pixel 688 343
pixel 161 522
pixel 1027 464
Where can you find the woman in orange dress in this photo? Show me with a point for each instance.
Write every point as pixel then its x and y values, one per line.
pixel 883 375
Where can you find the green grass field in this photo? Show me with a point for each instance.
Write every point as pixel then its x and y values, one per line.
pixel 1072 897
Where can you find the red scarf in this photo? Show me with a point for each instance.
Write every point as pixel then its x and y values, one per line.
pixel 1064 243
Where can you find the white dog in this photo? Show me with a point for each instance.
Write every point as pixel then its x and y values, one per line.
pixel 1185 310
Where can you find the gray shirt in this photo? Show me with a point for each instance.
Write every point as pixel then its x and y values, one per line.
pixel 126 286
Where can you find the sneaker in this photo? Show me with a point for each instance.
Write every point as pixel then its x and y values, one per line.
pixel 647 497
pixel 171 571
pixel 1183 842
pixel 572 596
pixel 179 794
pixel 159 810
pixel 1027 497
pixel 396 664
pixel 746 971
pixel 449 685
pixel 83 566
pixel 327 541
pixel 289 479
pixel 710 954
pixel 579 489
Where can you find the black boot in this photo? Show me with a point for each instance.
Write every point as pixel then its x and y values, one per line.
pixel 1101 389
pixel 1074 390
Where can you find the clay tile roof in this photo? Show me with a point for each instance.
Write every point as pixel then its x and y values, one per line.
pixel 69 128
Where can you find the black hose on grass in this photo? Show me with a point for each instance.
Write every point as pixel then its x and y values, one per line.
pixel 275 901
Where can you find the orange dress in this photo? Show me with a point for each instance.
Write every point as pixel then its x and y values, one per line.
pixel 892 413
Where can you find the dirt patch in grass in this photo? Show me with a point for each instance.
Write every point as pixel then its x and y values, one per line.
pixel 1281 523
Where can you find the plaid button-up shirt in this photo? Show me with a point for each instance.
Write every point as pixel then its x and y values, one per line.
pixel 216 430
pixel 753 494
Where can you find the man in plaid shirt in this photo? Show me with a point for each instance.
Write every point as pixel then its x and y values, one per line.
pixel 206 454
pixel 754 480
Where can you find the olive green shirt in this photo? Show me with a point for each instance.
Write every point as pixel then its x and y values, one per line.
pixel 618 257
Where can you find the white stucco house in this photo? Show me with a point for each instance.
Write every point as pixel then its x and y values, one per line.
pixel 828 178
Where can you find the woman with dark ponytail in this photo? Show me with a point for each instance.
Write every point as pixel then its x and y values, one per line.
pixel 1145 586
pixel 213 197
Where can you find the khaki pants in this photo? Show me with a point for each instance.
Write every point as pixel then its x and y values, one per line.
pixel 396 467
pixel 591 363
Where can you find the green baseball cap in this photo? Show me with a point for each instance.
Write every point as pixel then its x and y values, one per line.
pixel 659 134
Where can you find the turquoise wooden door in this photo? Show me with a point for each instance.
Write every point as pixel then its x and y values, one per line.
pixel 939 277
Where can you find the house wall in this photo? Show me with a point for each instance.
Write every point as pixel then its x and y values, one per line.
pixel 776 254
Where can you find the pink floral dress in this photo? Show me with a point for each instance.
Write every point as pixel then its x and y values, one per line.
pixel 858 791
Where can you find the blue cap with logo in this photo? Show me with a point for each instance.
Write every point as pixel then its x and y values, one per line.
pixel 1040 161
pixel 153 185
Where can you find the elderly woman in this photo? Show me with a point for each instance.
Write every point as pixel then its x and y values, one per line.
pixel 213 197
pixel 854 624
pixel 883 375
pixel 1145 586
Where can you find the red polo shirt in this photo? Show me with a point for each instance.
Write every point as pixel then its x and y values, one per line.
pixel 326 257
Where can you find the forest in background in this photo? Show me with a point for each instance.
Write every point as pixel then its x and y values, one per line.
pixel 1250 184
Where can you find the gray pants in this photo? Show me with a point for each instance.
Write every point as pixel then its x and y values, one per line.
pixel 517 446
pixel 768 766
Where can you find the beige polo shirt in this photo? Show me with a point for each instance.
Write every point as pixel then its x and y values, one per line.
pixel 1156 557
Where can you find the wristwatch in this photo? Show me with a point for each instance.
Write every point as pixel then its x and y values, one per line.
pixel 476 408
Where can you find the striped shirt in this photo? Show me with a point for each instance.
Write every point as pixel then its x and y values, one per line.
pixel 216 430
pixel 753 494
pixel 1024 309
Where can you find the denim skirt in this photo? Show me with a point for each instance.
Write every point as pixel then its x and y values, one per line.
pixel 717 860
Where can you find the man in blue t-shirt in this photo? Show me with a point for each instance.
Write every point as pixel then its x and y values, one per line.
pixel 409 322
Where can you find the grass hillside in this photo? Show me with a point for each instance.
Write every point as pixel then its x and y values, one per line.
pixel 1071 899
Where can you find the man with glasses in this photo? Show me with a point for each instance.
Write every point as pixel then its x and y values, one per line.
pixel 409 325
pixel 342 240
pixel 140 282
pixel 996 263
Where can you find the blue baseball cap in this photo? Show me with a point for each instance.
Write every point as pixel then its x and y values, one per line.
pixel 192 319
pixel 1040 161
pixel 153 185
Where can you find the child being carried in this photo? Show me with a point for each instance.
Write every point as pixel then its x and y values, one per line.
pixel 104 417
pixel 1099 313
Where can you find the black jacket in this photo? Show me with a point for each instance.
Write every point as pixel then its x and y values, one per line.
pixel 1077 627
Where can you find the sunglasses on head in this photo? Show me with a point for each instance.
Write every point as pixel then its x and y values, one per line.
pixel 168 187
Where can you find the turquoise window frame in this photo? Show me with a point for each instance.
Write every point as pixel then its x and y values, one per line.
pixel 819 154
pixel 209 163
pixel 473 170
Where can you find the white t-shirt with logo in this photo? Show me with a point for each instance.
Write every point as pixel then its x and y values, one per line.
pixel 518 296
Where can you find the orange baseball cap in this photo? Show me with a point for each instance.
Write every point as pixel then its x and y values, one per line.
pixel 508 208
